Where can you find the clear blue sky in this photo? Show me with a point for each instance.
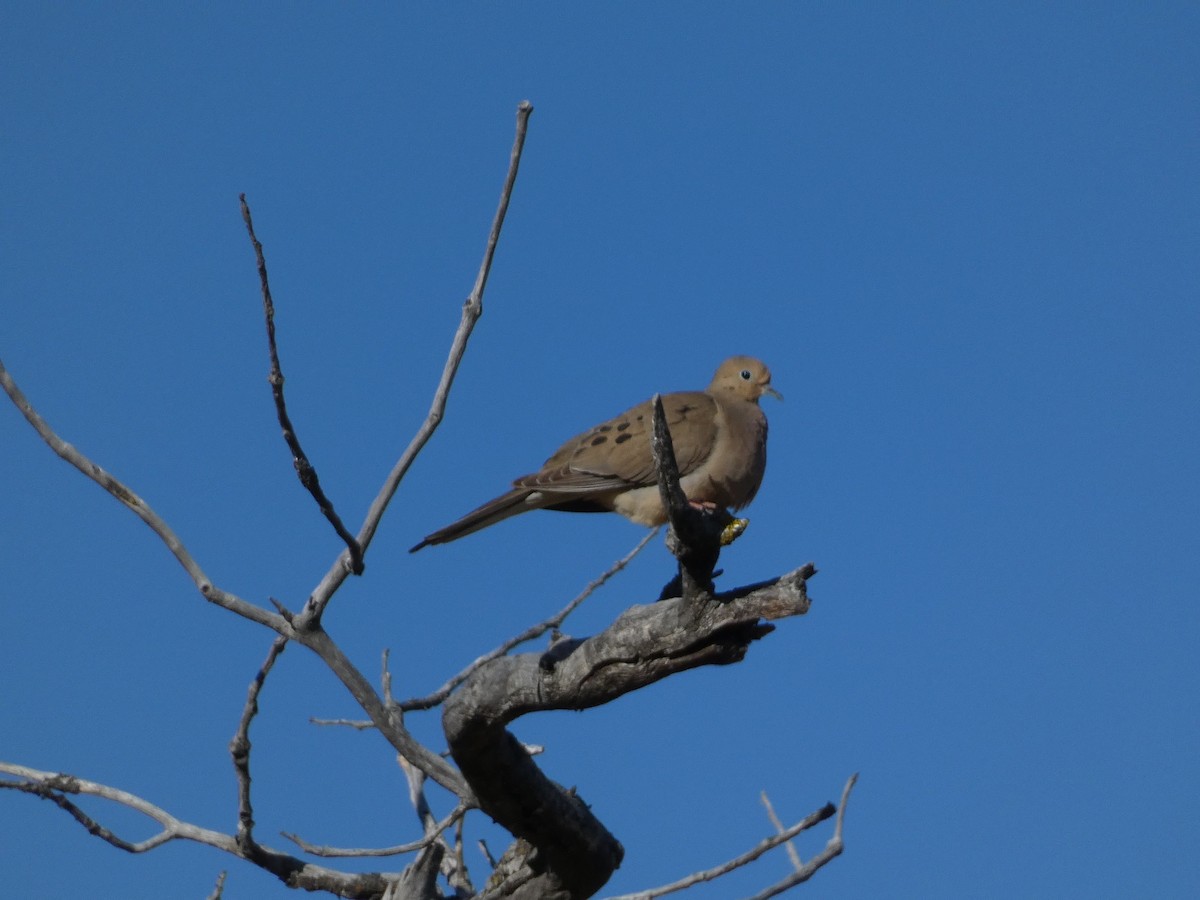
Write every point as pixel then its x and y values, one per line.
pixel 966 237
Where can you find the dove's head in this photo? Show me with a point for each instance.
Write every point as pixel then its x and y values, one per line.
pixel 745 377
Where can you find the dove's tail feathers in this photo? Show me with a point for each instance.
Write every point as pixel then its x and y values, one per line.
pixel 503 507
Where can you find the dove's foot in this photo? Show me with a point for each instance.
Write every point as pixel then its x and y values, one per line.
pixel 733 531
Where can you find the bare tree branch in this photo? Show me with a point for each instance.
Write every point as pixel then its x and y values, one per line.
pixel 452 864
pixel 359 852
pixel 305 627
pixel 219 888
pixel 665 466
pixel 356 724
pixel 385 678
pixel 487 854
pixel 463 885
pixel 388 720
pixel 54 786
pixel 529 634
pixel 304 469
pixel 140 508
pixel 645 644
pixel 310 635
pixel 695 535
pixel 239 746
pixel 832 850
pixel 825 812
pixel 802 873
pixel 562 851
pixel 419 881
pixel 472 310
pixel 792 853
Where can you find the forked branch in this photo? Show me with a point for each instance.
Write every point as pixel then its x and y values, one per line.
pixel 802 873
pixel 562 848
pixel 140 508
pixel 57 788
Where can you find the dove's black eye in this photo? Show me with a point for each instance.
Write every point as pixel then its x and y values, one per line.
pixel 745 373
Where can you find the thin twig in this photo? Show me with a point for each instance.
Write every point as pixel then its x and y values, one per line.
pixel 239 746
pixel 387 719
pixel 140 508
pixel 529 634
pixel 832 850
pixel 356 724
pixel 53 785
pixel 435 832
pixel 461 880
pixel 304 469
pixel 451 864
pixel 792 853
pixel 219 888
pixel 472 310
pixel 386 679
pixel 415 779
pixel 825 812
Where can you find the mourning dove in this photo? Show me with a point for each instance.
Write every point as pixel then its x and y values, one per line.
pixel 720 440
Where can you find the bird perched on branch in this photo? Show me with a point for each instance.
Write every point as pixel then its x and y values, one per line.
pixel 720 440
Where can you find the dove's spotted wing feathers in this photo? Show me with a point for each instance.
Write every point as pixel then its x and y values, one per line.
pixel 617 455
pixel 719 436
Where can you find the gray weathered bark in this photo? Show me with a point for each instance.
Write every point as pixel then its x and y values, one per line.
pixel 575 854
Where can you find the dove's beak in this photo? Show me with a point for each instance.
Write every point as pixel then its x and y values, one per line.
pixel 767 389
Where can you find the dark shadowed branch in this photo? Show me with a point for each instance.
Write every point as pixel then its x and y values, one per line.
pixel 695 535
pixel 304 469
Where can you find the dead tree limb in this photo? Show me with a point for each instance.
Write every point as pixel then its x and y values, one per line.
pixel 304 469
pixel 832 850
pixel 239 746
pixel 783 836
pixel 57 787
pixel 573 854
pixel 529 634
pixel 562 851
